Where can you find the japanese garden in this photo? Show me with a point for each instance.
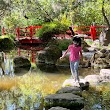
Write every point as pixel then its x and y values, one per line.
pixel 34 35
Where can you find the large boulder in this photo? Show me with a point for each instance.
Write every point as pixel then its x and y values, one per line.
pixel 105 75
pixel 93 79
pixel 21 65
pixel 70 82
pixel 101 59
pixel 63 62
pixel 49 55
pixel 66 100
pixel 70 89
pixel 6 44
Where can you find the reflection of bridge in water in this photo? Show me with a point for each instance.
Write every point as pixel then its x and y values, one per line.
pixel 31 52
pixel 6 59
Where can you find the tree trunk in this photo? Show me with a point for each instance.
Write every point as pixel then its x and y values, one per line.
pixel 104 15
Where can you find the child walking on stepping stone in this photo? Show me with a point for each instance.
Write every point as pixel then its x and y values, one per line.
pixel 75 56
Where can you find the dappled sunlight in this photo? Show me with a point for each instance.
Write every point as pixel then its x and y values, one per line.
pixel 27 91
pixel 32 83
pixel 6 83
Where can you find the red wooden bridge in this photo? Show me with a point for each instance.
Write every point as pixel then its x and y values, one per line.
pixel 88 32
pixel 28 35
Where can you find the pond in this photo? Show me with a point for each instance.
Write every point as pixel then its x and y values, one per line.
pixel 24 91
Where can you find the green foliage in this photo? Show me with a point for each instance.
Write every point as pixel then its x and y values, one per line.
pixel 98 95
pixel 35 22
pixel 65 11
pixel 77 12
pixel 63 44
pixel 50 29
pixel 105 91
pixel 9 36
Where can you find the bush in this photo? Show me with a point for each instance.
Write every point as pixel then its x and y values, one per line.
pixel 63 44
pixel 50 29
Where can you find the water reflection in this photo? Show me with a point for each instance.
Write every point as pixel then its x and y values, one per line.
pixel 6 64
pixel 21 65
pixel 63 73
pixel 47 68
pixel 12 70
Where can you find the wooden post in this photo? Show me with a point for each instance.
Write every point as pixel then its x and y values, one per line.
pixel 93 32
pixel 17 33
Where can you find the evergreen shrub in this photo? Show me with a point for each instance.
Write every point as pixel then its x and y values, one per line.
pixel 48 30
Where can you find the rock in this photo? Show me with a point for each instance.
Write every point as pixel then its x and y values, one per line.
pixel 71 82
pixel 105 75
pixel 6 44
pixel 66 100
pixel 107 37
pixel 41 56
pixel 84 86
pixel 93 79
pixel 47 67
pixel 63 62
pixel 103 50
pixel 85 63
pixel 85 46
pixel 49 55
pixel 70 89
pixel 58 108
pixel 21 65
pixel 101 59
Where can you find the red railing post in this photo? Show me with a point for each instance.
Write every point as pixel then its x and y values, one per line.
pixel 31 33
pixel 3 31
pixel 93 32
pixel 17 33
pixel 32 56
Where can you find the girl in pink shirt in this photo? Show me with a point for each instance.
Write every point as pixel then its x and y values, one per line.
pixel 75 55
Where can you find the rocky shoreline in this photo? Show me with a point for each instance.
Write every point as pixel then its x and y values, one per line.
pixel 69 97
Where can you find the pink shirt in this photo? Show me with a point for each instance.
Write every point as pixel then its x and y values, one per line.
pixel 74 52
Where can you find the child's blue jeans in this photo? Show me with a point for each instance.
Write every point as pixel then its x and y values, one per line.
pixel 74 69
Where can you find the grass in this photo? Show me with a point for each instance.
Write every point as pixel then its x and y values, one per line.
pixel 97 95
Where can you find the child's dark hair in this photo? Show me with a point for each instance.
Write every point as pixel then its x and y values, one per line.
pixel 77 41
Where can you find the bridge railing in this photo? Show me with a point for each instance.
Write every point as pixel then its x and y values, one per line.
pixel 93 32
pixel 27 32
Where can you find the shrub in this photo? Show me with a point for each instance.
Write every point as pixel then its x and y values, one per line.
pixel 63 44
pixel 50 29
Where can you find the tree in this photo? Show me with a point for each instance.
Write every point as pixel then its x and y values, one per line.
pixel 4 6
pixel 104 14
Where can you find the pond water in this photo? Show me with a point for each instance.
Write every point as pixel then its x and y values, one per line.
pixel 48 70
pixel 49 79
